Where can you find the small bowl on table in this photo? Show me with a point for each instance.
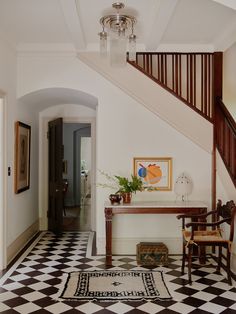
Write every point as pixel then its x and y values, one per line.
pixel 115 198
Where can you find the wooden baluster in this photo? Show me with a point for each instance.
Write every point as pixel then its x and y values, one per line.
pixel 194 80
pixel 176 75
pixel 201 82
pixel 147 59
pixel 209 87
pixel 158 67
pixel 191 78
pixel 187 77
pixel 162 69
pixel 173 72
pixel 165 72
pixel 180 75
pixel 151 56
pixel 144 61
pixel 205 85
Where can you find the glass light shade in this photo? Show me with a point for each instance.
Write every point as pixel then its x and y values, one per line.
pixel 103 43
pixel 132 47
pixel 183 186
pixel 118 51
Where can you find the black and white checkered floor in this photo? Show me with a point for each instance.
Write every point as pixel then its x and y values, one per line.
pixel 30 286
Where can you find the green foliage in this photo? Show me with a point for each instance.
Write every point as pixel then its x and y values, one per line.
pixel 129 186
pixel 122 184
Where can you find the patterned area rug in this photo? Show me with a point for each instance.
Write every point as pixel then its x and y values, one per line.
pixel 117 285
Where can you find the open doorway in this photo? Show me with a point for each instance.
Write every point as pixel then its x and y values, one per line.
pixel 77 167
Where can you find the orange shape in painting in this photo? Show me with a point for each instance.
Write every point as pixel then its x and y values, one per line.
pixel 154 174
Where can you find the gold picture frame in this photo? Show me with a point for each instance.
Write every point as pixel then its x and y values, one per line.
pixel 155 172
pixel 22 157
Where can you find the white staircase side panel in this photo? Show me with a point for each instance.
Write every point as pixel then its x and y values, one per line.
pixel 154 98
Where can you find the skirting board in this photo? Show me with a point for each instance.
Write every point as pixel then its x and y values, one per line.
pixel 14 248
pixel 127 246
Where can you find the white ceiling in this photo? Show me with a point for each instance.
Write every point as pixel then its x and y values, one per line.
pixel 206 24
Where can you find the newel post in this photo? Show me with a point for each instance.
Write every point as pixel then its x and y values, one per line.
pixel 217 91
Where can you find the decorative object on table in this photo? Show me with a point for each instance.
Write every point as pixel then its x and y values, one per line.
pixel 183 187
pixel 123 185
pixel 114 285
pixel 22 157
pixel 115 198
pixel 155 172
pixel 152 253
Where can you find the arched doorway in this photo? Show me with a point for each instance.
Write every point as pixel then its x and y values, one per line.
pixel 74 107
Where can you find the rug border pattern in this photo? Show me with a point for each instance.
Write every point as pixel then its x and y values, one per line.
pixel 152 292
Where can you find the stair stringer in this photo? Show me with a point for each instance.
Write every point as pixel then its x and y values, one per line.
pixel 154 98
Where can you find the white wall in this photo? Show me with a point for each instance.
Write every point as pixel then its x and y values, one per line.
pixel 21 211
pixel 125 129
pixel 229 79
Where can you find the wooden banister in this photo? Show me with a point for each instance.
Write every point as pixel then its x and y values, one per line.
pixel 225 137
pixel 188 76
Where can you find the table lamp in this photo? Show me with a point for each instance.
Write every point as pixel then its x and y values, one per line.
pixel 183 187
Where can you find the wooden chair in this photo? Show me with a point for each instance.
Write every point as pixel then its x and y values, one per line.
pixel 199 235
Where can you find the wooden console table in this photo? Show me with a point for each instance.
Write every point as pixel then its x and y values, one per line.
pixel 157 207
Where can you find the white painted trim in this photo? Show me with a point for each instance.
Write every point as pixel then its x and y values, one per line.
pixel 127 246
pixel 18 262
pixel 43 168
pixel 3 182
pixel 20 242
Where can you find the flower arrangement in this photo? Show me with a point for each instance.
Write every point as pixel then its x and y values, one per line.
pixel 122 184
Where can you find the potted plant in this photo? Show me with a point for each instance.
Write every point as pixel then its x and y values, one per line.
pixel 127 187
pixel 124 187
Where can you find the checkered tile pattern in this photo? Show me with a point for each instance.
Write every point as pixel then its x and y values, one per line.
pixel 31 285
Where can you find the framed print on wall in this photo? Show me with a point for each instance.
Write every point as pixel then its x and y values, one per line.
pixel 155 172
pixel 22 157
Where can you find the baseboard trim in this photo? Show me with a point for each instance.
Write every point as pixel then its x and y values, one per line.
pixel 16 246
pixel 127 246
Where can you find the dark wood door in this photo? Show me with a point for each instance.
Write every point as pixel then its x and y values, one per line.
pixel 55 148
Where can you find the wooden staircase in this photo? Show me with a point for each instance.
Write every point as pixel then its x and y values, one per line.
pixel 196 79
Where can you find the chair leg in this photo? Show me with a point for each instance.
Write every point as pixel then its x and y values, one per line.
pixel 183 259
pixel 219 260
pixel 228 267
pixel 190 252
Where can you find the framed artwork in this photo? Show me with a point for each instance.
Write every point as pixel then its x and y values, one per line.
pixel 22 157
pixel 155 172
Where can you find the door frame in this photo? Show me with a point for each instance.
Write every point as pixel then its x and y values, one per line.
pixel 3 181
pixel 43 167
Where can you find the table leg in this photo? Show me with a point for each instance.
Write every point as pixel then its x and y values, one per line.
pixel 202 249
pixel 108 217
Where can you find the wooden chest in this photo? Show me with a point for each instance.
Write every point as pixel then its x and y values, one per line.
pixel 152 253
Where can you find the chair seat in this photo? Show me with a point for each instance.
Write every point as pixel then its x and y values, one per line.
pixel 204 236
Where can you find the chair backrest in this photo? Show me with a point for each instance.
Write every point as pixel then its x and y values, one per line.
pixel 226 211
